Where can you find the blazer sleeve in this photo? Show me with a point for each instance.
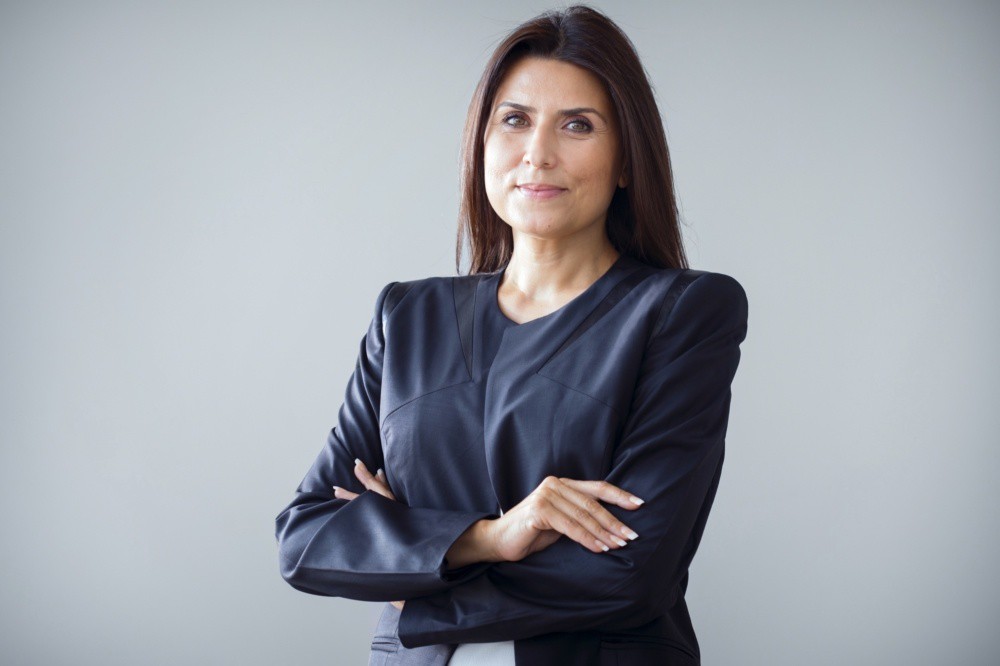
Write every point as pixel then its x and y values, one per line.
pixel 670 454
pixel 370 548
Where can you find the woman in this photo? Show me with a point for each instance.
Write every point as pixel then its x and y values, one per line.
pixel 576 383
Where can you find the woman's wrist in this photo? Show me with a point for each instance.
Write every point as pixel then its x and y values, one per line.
pixel 476 544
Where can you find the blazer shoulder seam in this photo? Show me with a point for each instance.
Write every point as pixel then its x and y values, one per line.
pixel 673 294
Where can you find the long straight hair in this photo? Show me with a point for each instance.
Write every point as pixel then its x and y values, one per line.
pixel 642 220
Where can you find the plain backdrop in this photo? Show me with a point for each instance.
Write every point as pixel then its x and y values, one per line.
pixel 199 202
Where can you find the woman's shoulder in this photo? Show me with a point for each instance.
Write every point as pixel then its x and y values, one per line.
pixel 704 292
pixel 426 290
pixel 673 282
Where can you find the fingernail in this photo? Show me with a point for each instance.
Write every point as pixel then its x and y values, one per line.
pixel 357 461
pixel 629 533
pixel 603 547
pixel 336 488
pixel 636 500
pixel 620 542
pixel 379 472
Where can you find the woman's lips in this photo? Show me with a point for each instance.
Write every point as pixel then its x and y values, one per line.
pixel 540 193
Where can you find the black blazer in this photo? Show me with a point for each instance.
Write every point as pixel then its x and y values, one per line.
pixel 628 382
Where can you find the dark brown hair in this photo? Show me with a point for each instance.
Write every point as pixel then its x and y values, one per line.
pixel 642 220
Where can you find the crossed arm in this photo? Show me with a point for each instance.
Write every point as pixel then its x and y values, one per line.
pixel 670 454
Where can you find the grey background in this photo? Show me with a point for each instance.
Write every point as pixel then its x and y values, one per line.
pixel 199 203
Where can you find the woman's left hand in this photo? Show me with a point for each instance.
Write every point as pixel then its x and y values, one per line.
pixel 376 482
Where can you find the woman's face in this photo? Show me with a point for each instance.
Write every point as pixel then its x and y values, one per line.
pixel 552 125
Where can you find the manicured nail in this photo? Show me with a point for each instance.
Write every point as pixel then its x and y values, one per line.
pixel 603 547
pixel 379 472
pixel 620 542
pixel 636 500
pixel 629 533
pixel 357 461
pixel 336 488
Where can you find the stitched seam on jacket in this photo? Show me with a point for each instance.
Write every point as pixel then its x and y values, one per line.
pixel 470 362
pixel 422 395
pixel 670 299
pixel 576 390
pixel 605 307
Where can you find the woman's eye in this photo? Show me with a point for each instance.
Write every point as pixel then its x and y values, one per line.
pixel 511 116
pixel 577 125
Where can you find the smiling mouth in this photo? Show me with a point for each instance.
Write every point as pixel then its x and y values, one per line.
pixel 540 192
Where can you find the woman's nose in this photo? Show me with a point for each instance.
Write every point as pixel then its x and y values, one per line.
pixel 540 150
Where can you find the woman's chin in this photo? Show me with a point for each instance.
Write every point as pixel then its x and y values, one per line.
pixel 544 226
pixel 540 229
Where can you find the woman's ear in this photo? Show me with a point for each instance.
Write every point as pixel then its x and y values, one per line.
pixel 623 179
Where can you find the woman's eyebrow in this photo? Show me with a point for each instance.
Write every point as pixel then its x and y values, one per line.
pixel 563 112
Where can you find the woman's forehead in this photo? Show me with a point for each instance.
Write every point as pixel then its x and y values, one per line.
pixel 546 82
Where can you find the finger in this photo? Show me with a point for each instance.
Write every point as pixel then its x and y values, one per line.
pixel 549 515
pixel 368 479
pixel 587 504
pixel 607 519
pixel 343 493
pixel 361 471
pixel 380 475
pixel 381 485
pixel 603 490
pixel 597 522
pixel 373 483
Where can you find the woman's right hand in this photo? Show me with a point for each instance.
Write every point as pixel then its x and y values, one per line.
pixel 561 506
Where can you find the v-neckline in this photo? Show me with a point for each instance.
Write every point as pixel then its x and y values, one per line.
pixel 495 296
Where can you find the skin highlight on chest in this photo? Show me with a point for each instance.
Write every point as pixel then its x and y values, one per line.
pixel 520 309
